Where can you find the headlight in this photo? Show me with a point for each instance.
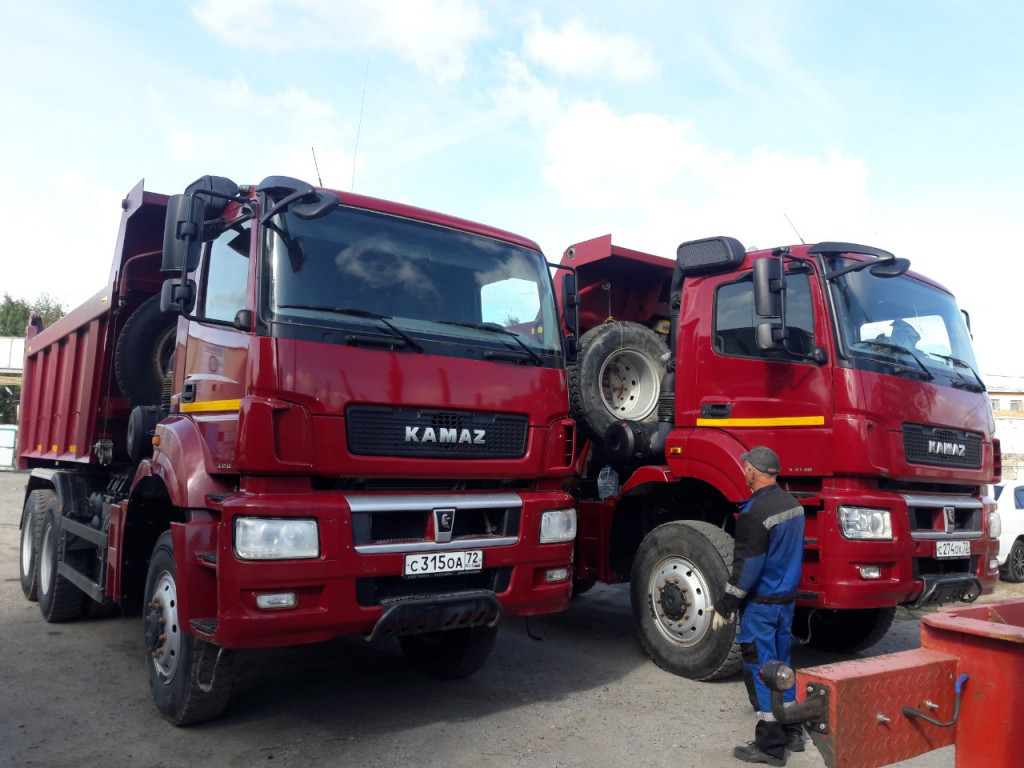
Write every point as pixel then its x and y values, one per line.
pixel 995 524
pixel 557 525
pixel 258 538
pixel 865 523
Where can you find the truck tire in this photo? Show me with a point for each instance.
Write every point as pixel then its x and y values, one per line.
pixel 190 679
pixel 59 599
pixel 843 631
pixel 617 376
pixel 1013 569
pixel 679 570
pixel 142 357
pixel 35 508
pixel 451 654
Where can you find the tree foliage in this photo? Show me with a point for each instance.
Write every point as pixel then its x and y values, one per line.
pixel 14 316
pixel 15 313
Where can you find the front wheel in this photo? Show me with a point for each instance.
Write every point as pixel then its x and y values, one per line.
pixel 190 678
pixel 679 570
pixel 451 654
pixel 1013 569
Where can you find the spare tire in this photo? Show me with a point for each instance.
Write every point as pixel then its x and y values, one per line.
pixel 142 357
pixel 617 376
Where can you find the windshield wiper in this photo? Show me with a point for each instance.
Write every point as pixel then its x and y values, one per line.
pixel 353 312
pixel 961 383
pixel 495 328
pixel 928 376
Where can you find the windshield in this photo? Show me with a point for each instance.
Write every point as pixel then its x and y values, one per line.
pixel 361 269
pixel 904 325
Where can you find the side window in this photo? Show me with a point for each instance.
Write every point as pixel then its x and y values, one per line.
pixel 227 272
pixel 735 321
pixel 1018 497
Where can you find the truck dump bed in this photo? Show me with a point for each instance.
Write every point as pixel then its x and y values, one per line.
pixel 70 399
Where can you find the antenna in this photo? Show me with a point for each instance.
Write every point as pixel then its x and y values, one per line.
pixel 794 227
pixel 319 183
pixel 359 126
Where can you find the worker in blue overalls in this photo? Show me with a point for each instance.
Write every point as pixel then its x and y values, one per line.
pixel 765 573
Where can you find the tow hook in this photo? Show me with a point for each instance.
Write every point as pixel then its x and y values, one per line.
pixel 812 711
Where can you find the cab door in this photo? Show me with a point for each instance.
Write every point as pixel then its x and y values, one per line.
pixel 216 352
pixel 776 398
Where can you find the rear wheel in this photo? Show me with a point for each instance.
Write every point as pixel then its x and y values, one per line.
pixel 190 678
pixel 678 572
pixel 35 507
pixel 59 599
pixel 845 631
pixel 1013 569
pixel 451 654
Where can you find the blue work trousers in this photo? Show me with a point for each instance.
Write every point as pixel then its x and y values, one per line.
pixel 765 633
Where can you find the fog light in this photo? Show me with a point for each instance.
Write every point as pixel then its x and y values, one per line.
pixel 556 574
pixel 993 564
pixel 277 601
pixel 870 572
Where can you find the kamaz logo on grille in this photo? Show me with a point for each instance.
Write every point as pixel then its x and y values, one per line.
pixel 445 435
pixel 940 448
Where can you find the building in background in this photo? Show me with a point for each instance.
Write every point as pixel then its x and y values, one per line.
pixel 12 360
pixel 1007 395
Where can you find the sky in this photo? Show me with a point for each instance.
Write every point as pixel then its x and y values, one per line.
pixel 893 124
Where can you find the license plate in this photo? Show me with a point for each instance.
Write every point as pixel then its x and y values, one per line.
pixel 946 549
pixel 433 563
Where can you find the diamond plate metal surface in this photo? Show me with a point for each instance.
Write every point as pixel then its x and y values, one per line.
pixel 867 728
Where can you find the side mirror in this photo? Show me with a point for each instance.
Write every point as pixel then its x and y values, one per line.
pixel 183 233
pixel 570 302
pixel 770 336
pixel 769 285
pixel 177 295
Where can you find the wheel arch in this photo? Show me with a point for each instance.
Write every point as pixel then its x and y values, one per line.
pixel 647 505
pixel 148 512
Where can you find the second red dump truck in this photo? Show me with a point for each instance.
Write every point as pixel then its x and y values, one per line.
pixel 861 376
pixel 295 414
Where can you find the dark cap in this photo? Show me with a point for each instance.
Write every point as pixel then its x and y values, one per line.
pixel 763 459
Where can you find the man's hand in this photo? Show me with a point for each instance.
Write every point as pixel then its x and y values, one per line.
pixel 718 620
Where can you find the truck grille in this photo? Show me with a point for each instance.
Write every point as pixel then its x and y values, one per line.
pixel 399 523
pixel 934 516
pixel 434 434
pixel 938 446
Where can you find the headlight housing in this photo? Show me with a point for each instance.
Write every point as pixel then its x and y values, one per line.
pixel 262 538
pixel 557 525
pixel 995 524
pixel 865 523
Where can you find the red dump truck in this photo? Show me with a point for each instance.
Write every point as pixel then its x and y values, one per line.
pixel 859 373
pixel 294 414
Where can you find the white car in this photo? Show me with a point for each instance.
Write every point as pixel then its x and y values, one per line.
pixel 1010 497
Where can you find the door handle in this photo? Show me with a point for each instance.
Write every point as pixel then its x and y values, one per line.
pixel 715 410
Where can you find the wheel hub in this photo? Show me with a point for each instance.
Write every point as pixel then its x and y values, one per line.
pixel 679 598
pixel 163 637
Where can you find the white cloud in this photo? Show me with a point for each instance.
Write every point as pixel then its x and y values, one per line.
pixel 433 35
pixel 577 51
pixel 654 179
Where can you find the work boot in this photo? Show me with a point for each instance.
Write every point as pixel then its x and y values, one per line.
pixel 751 754
pixel 795 740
